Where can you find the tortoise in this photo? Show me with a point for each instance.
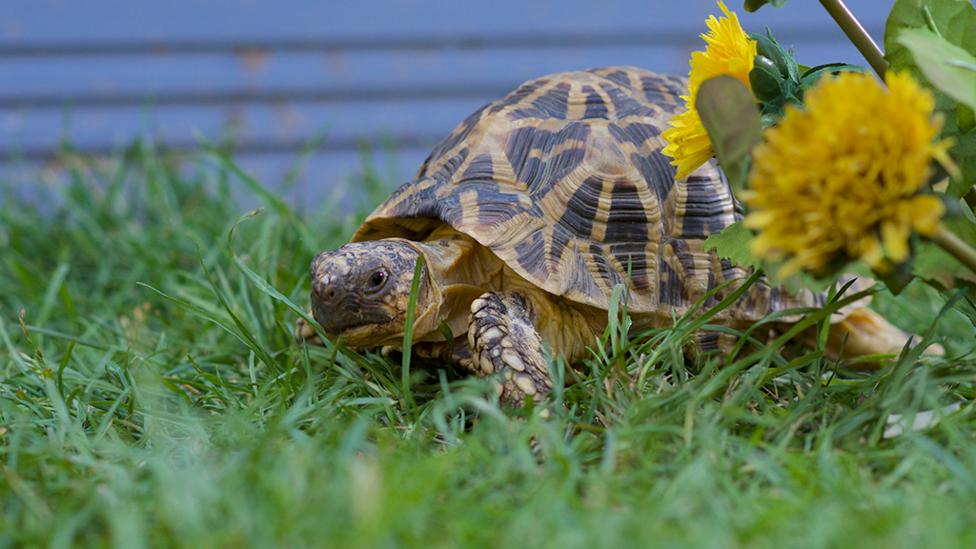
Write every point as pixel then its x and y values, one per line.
pixel 529 214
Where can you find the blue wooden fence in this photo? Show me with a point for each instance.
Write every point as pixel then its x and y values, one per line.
pixel 275 74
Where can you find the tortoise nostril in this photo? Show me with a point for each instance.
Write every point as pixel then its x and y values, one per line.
pixel 324 290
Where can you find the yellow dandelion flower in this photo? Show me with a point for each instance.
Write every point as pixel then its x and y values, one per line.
pixel 841 177
pixel 728 51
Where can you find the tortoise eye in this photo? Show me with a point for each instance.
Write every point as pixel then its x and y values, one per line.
pixel 376 280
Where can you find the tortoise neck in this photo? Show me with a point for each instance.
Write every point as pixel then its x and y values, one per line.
pixel 459 269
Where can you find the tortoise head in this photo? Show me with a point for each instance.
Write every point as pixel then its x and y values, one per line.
pixel 361 290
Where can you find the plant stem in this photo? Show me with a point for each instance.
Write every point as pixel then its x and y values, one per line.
pixel 930 21
pixel 856 33
pixel 955 246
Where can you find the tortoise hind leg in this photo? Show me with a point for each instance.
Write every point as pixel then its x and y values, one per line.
pixel 865 332
pixel 504 342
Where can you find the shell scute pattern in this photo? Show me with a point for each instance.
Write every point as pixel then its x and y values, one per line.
pixel 554 103
pixel 518 96
pixel 564 180
pixel 664 91
pixel 619 77
pixel 457 137
pixel 624 102
pixel 706 210
pixel 670 285
pixel 636 133
pixel 594 105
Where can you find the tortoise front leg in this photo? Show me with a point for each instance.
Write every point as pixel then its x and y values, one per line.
pixel 505 343
pixel 304 332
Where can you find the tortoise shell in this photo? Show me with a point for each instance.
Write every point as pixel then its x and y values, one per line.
pixel 564 180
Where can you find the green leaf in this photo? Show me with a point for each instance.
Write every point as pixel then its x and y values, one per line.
pixel 933 54
pixel 733 243
pixel 899 277
pixel 783 59
pixel 753 5
pixel 955 22
pixel 965 118
pixel 935 266
pixel 963 152
pixel 774 78
pixel 730 116
pixel 418 273
pixel 960 220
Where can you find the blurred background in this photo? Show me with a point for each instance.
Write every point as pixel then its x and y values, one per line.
pixel 365 85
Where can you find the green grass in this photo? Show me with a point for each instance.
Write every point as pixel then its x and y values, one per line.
pixel 151 394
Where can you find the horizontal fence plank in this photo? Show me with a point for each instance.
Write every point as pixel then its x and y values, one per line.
pixel 331 182
pixel 167 80
pixel 113 20
pixel 372 73
pixel 502 41
pixel 105 128
pixel 234 146
pixel 24 78
pixel 361 94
